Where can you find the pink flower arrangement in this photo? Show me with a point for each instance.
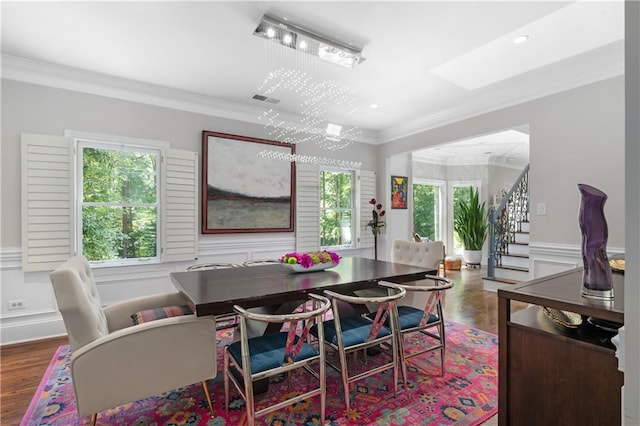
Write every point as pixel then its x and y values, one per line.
pixel 307 260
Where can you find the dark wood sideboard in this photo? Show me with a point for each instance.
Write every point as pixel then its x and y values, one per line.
pixel 553 375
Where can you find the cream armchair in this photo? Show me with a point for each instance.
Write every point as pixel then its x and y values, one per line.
pixel 427 255
pixel 114 361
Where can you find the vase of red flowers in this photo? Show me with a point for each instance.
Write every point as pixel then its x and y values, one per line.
pixel 376 224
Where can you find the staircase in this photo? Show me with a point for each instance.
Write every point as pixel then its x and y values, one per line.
pixel 508 262
pixel 514 267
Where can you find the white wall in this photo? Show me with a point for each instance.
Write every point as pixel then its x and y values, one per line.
pixel 33 108
pixel 576 136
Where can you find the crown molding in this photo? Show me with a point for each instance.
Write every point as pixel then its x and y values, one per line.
pixel 62 77
pixel 572 73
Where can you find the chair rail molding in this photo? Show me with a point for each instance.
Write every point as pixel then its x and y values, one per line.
pixel 550 258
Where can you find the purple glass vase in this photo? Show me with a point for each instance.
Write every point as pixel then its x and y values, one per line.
pixel 596 280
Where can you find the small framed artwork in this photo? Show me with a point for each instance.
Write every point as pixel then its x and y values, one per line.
pixel 244 189
pixel 399 186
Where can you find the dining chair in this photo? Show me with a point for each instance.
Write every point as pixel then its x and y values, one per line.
pixel 255 358
pixel 208 266
pixel 116 360
pixel 429 321
pixel 224 321
pixel 350 331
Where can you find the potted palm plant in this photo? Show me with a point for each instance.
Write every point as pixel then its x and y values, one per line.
pixel 471 226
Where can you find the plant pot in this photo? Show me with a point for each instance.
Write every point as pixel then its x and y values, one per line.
pixel 473 257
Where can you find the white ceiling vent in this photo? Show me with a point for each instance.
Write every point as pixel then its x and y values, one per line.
pixel 266 99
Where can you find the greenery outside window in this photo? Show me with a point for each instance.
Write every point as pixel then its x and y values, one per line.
pixel 337 208
pixel 427 209
pixel 118 208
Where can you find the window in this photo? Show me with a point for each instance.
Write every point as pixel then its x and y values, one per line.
pixel 118 202
pixel 427 209
pixel 336 208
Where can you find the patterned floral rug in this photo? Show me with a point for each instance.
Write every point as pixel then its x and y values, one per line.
pixel 466 395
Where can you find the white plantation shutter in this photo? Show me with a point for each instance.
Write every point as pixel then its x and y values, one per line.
pixel 47 201
pixel 367 189
pixel 180 213
pixel 307 207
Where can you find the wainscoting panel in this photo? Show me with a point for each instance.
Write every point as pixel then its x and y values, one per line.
pixel 40 319
pixel 548 258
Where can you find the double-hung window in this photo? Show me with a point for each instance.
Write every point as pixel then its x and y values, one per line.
pixel 118 203
pixel 337 208
pixel 116 200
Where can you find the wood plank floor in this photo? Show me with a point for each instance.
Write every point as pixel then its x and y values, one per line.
pixel 23 365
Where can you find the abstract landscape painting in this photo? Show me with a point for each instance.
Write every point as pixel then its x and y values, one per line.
pixel 242 190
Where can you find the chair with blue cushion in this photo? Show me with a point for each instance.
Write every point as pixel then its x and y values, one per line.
pixel 429 320
pixel 255 358
pixel 349 332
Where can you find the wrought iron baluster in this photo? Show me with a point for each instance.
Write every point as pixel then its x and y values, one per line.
pixel 506 219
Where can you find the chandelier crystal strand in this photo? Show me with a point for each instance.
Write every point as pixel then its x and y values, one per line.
pixel 314 98
pixel 310 159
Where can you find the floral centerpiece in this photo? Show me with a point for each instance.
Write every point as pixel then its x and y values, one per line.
pixel 376 223
pixel 311 261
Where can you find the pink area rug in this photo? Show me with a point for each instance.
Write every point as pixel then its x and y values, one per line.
pixel 466 395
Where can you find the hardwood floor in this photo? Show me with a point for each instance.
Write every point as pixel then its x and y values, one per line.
pixel 23 365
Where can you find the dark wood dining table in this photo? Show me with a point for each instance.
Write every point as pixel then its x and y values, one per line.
pixel 214 292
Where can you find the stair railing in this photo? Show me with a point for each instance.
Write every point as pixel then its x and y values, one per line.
pixel 506 219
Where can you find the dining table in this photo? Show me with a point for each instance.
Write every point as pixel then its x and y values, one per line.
pixel 215 292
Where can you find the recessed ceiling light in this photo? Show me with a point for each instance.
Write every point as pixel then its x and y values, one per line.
pixel 271 32
pixel 521 39
pixel 374 106
pixel 287 39
pixel 302 44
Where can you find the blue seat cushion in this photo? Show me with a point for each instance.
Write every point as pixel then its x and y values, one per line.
pixel 409 317
pixel 355 330
pixel 267 352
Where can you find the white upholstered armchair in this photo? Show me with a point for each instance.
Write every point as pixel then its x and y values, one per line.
pixel 428 255
pixel 114 361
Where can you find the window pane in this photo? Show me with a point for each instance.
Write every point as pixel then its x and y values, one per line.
pixel 336 208
pixel 335 189
pixel 110 233
pixel 335 229
pixel 426 211
pixel 118 176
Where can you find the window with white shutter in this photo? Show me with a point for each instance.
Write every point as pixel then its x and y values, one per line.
pixel 308 196
pixel 141 208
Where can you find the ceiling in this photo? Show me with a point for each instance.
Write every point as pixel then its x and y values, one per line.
pixel 427 62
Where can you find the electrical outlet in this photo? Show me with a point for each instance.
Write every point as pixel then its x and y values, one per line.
pixel 16 304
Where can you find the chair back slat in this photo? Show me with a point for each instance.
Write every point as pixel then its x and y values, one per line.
pixel 381 317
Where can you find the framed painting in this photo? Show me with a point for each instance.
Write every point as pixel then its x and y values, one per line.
pixel 399 192
pixel 242 190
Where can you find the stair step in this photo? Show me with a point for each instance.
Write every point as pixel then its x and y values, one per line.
pixel 513 268
pixel 519 248
pixel 512 272
pixel 521 238
pixel 502 280
pixel 493 284
pixel 521 260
